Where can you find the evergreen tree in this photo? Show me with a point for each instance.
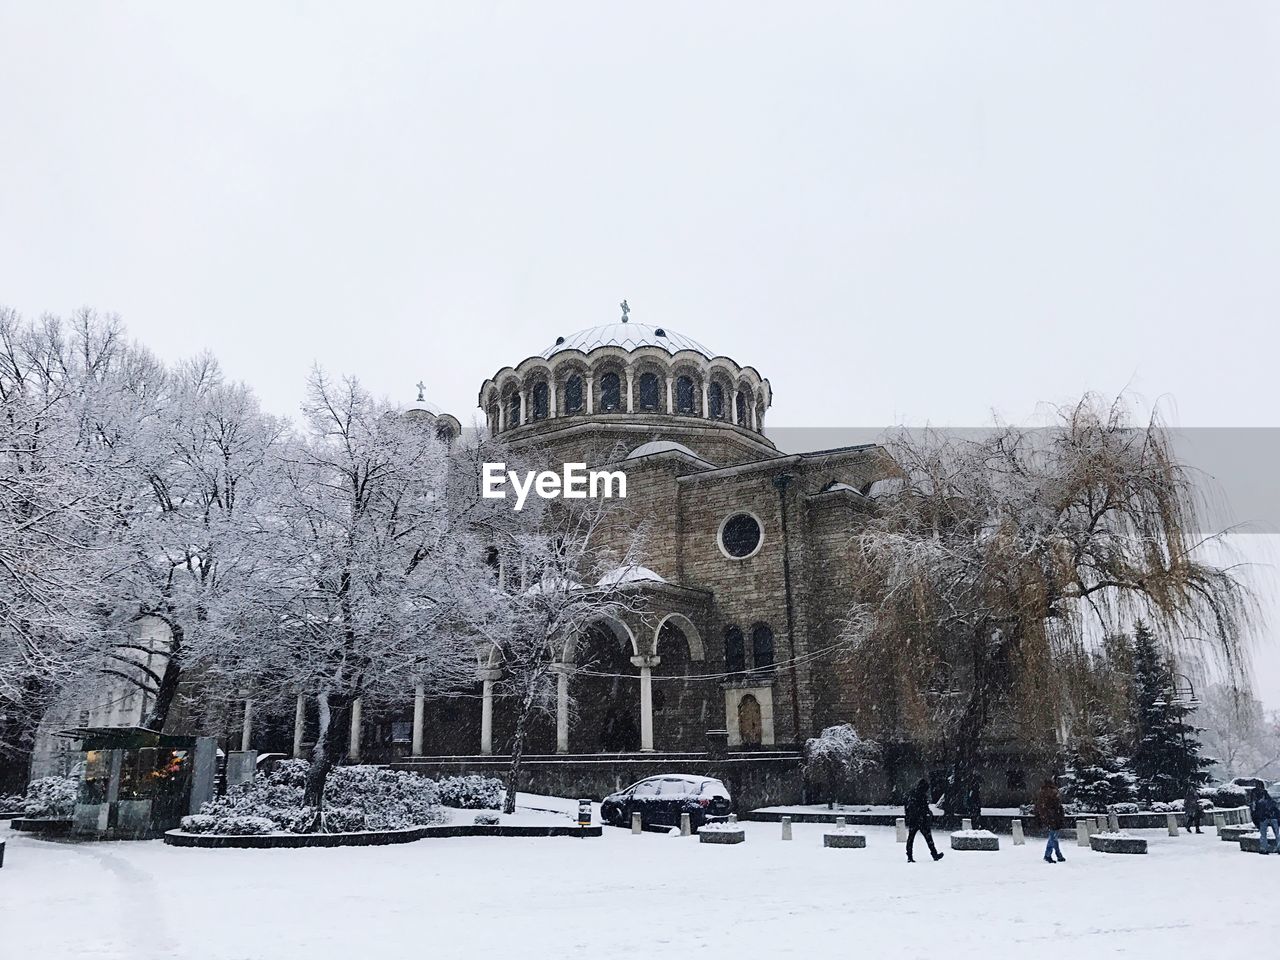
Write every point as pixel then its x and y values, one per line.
pixel 1166 751
pixel 1096 774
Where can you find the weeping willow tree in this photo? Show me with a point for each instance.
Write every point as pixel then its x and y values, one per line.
pixel 988 569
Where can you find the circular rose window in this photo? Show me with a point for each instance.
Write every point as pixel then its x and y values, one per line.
pixel 740 536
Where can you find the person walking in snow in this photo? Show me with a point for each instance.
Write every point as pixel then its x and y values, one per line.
pixel 919 819
pixel 1050 812
pixel 1266 813
pixel 1191 807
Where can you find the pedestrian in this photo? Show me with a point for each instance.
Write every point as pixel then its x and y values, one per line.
pixel 1266 813
pixel 1050 813
pixel 919 819
pixel 1191 807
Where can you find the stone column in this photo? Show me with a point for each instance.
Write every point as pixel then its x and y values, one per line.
pixel 502 415
pixel 353 749
pixel 591 397
pixel 551 399
pixel 646 665
pixel 246 729
pixel 752 402
pixel 419 717
pixel 299 720
pixel 630 405
pixel 488 675
pixel 524 406
pixel 671 407
pixel 562 707
pixel 706 399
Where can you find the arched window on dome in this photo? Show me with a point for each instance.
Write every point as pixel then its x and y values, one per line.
pixel 573 394
pixel 684 394
pixel 513 409
pixel 735 650
pixel 540 400
pixel 762 646
pixel 444 433
pixel 610 392
pixel 649 391
pixel 715 399
pixel 742 409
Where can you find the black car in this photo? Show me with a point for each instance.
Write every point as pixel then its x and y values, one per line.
pixel 660 801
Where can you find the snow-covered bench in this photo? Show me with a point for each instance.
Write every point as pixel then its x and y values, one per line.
pixel 974 840
pixel 1120 842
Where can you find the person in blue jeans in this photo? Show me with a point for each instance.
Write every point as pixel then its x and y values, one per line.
pixel 1266 814
pixel 1052 817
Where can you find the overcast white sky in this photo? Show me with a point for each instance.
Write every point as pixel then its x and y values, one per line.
pixel 898 212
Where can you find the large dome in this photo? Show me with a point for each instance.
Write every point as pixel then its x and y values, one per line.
pixel 628 336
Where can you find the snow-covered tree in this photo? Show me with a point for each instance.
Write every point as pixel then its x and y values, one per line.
pixel 838 757
pixel 1239 732
pixel 1166 759
pixel 995 560
pixel 1096 773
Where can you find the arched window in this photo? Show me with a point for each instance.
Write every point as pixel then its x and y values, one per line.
pixel 735 652
pixel 573 394
pixel 684 394
pixel 540 404
pixel 610 392
pixel 715 399
pixel 762 646
pixel 742 409
pixel 649 390
pixel 513 409
pixel 493 418
pixel 444 433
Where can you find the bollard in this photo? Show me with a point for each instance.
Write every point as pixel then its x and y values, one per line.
pixel 1019 838
pixel 686 828
pixel 733 818
pixel 1171 820
pixel 636 826
pixel 966 824
pixel 1082 833
pixel 841 822
pixel 1113 822
pixel 786 828
pixel 901 826
pixel 1099 825
pixel 1 853
pixel 1219 821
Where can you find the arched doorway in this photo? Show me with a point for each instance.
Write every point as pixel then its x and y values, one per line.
pixel 606 693
pixel 750 722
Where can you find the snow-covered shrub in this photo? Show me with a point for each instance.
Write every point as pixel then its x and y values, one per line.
pixel 51 797
pixel 472 792
pixel 837 757
pixel 356 798
pixel 1123 808
pixel 1161 807
pixel 227 826
pixel 9 802
pixel 1228 795
pixel 486 820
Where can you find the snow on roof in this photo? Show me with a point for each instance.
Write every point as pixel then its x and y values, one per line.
pixel 628 336
pixel 630 574
pixel 660 446
pixel 835 485
pixel 551 584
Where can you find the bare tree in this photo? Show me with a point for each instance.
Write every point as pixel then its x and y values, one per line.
pixel 989 565
pixel 1239 732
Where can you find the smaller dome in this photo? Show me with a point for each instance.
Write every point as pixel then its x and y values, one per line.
pixel 632 574
pixel 660 446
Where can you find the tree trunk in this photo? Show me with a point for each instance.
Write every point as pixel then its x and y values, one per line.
pixel 168 689
pixel 517 755
pixel 326 753
pixel 968 738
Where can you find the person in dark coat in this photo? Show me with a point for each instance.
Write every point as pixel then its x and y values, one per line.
pixel 1050 812
pixel 1266 814
pixel 1191 807
pixel 919 819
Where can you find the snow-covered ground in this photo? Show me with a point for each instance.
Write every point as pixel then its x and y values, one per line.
pixel 626 896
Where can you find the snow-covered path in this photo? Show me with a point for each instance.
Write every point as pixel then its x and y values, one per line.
pixel 632 896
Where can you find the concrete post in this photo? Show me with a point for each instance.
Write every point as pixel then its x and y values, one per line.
pixel 841 822
pixel 1099 825
pixel 733 818
pixel 1113 822
pixel 966 824
pixel 900 829
pixel 299 721
pixel 636 827
pixel 1082 833
pixel 786 828
pixel 353 749
pixel 1019 838
pixel 1171 820
pixel 1219 821
pixel 419 718
pixel 686 828
pixel 246 728
pixel 646 665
